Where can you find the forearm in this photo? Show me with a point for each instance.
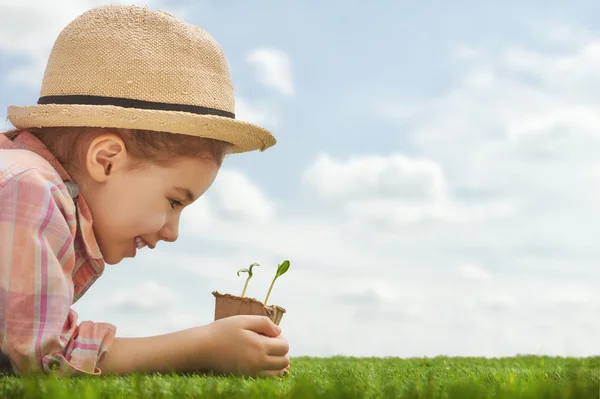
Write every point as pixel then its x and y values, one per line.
pixel 181 351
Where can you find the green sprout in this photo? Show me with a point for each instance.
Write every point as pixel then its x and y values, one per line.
pixel 280 271
pixel 249 271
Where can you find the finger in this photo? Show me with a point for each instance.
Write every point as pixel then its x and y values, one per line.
pixel 277 362
pixel 271 373
pixel 277 346
pixel 274 373
pixel 262 325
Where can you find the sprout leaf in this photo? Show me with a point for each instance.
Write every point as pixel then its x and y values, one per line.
pixel 281 269
pixel 249 271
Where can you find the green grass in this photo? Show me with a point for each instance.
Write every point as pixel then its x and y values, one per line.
pixel 338 377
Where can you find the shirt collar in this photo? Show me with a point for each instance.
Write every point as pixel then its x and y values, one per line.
pixel 28 141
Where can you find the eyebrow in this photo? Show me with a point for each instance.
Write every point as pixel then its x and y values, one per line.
pixel 186 192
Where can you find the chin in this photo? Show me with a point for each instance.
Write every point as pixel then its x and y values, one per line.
pixel 112 260
pixel 110 257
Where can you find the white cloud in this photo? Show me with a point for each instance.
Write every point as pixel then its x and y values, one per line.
pixel 473 272
pixel 514 137
pixel 147 297
pixel 255 112
pixel 273 69
pixel 233 198
pixel 395 176
pixel 559 32
pixel 516 142
pixel 28 29
pixel 397 111
pixel 5 125
pixel 480 242
pixel 466 53
pixel 393 190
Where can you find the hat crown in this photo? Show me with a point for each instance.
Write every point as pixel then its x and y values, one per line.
pixel 141 54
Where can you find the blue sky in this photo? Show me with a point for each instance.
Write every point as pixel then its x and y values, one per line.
pixel 434 184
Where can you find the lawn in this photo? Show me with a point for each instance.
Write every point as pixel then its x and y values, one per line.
pixel 340 377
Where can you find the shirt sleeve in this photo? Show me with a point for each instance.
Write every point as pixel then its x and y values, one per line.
pixel 38 328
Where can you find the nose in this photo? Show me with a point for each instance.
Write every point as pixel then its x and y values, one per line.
pixel 169 234
pixel 170 231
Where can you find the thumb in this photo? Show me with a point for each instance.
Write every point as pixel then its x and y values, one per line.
pixel 263 325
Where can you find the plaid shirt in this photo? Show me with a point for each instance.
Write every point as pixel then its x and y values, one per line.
pixel 49 257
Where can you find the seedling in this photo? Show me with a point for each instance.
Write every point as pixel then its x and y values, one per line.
pixel 280 271
pixel 249 271
pixel 227 305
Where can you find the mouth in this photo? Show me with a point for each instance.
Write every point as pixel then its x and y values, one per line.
pixel 140 243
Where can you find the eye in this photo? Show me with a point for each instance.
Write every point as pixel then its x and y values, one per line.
pixel 175 203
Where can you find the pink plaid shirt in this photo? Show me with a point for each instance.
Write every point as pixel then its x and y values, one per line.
pixel 49 257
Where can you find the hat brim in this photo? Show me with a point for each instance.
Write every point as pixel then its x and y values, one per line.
pixel 244 136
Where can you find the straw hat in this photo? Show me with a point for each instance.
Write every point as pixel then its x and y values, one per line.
pixel 132 67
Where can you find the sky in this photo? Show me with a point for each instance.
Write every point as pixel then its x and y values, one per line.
pixel 434 185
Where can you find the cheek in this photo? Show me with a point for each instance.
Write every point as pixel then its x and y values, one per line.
pixel 147 215
pixel 143 217
pixel 124 215
pixel 124 225
pixel 150 223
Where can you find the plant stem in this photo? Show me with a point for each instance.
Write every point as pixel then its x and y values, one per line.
pixel 270 288
pixel 245 286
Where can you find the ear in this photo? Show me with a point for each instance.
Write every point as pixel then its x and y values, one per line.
pixel 105 154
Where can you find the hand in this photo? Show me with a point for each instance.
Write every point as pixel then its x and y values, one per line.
pixel 247 345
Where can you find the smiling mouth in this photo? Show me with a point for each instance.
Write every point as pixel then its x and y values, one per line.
pixel 140 243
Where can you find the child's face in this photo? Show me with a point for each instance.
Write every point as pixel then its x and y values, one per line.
pixel 146 203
